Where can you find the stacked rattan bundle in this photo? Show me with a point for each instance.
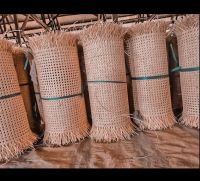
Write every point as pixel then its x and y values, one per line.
pixel 34 79
pixel 15 133
pixel 149 70
pixel 20 61
pixel 134 99
pixel 174 75
pixel 187 32
pixel 57 65
pixel 106 76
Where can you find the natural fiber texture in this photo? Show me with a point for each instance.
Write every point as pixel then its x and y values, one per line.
pixel 106 76
pixel 174 76
pixel 149 71
pixel 58 70
pixel 187 32
pixel 15 134
pixel 131 69
pixel 23 79
pixel 36 87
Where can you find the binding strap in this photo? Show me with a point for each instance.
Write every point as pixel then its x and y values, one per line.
pixel 10 95
pixel 59 98
pixel 189 69
pixel 104 81
pixel 150 77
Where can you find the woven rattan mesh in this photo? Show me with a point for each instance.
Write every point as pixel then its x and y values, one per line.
pixel 148 57
pixel 187 32
pixel 15 133
pixel 23 79
pixel 36 87
pixel 175 83
pixel 59 78
pixel 106 76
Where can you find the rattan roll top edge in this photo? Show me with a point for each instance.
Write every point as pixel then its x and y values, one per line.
pixel 187 23
pixel 103 31
pixel 155 26
pixel 48 39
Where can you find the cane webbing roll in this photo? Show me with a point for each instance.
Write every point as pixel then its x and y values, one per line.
pixel 106 76
pixel 149 71
pixel 15 133
pixel 175 83
pixel 58 70
pixel 23 79
pixel 187 32
pixel 34 79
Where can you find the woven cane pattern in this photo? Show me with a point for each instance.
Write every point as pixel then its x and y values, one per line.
pixel 149 71
pixel 174 76
pixel 15 134
pixel 34 78
pixel 23 79
pixel 187 31
pixel 132 71
pixel 59 78
pixel 106 76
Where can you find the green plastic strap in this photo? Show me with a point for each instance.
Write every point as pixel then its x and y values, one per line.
pixel 23 84
pixel 176 69
pixel 190 69
pixel 173 53
pixel 150 77
pixel 10 95
pixel 59 98
pixel 105 81
pixel 26 62
pixel 180 69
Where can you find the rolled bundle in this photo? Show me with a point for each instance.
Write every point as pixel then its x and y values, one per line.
pixel 149 71
pixel 106 77
pixel 133 82
pixel 187 32
pixel 175 83
pixel 23 79
pixel 57 65
pixel 34 78
pixel 15 133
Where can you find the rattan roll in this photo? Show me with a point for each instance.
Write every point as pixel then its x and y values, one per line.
pixel 23 79
pixel 187 32
pixel 174 76
pixel 58 70
pixel 36 87
pixel 106 77
pixel 15 133
pixel 149 71
pixel 131 73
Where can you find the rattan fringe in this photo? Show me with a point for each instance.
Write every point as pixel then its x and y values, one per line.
pixel 15 148
pixel 112 133
pixel 159 122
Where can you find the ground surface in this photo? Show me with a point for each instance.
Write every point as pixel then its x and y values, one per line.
pixel 172 148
